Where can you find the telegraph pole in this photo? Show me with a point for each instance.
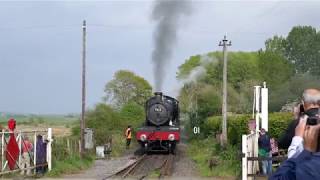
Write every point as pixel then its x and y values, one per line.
pixel 225 43
pixel 83 108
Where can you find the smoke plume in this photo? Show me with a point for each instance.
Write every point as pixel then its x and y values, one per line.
pixel 166 14
pixel 200 71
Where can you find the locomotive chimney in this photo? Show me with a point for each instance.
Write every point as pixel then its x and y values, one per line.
pixel 158 93
pixel 159 96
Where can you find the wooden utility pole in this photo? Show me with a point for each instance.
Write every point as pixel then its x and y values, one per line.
pixel 225 43
pixel 83 109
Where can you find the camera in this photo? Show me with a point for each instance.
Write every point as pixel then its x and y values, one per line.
pixel 313 119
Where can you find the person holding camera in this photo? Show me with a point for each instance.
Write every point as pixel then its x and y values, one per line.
pixel 304 162
pixel 309 106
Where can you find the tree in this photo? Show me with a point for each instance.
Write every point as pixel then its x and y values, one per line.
pixel 274 68
pixel 303 48
pixel 290 91
pixel 127 87
pixel 185 69
pixel 133 114
pixel 276 44
pixel 243 74
pixel 242 66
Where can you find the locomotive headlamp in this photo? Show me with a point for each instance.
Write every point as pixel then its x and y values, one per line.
pixel 171 137
pixel 143 137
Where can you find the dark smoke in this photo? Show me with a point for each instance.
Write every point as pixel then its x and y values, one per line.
pixel 166 13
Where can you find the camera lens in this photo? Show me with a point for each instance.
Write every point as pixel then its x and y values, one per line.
pixel 312 121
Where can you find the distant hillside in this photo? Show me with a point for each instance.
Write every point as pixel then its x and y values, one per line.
pixel 41 118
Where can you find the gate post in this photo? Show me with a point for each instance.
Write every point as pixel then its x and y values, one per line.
pixel 264 107
pixel 244 157
pixel 2 150
pixel 35 152
pixel 49 158
pixel 20 147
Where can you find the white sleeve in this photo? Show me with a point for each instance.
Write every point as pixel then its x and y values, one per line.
pixel 296 147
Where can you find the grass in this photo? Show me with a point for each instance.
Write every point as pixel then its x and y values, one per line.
pixel 226 161
pixel 70 165
pixel 154 174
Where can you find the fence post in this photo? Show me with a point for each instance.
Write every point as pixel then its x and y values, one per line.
pixel 2 150
pixel 244 157
pixel 34 151
pixel 68 146
pixel 20 147
pixel 79 147
pixel 49 158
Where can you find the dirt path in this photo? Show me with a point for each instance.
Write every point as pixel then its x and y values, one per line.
pixel 101 168
pixel 184 166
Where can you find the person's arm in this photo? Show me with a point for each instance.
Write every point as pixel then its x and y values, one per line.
pixel 287 171
pixel 296 147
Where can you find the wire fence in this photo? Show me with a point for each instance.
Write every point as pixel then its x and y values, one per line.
pixel 64 147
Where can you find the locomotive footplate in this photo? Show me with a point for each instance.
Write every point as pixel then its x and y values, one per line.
pixel 158 139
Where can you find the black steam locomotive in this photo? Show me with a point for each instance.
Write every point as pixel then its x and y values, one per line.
pixel 161 130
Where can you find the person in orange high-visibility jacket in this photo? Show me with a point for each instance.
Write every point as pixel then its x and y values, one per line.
pixel 128 135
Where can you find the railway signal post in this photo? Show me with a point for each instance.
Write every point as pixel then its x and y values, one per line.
pixel 224 43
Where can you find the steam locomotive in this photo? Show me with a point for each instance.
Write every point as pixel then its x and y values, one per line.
pixel 161 131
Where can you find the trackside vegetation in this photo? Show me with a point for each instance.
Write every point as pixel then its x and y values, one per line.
pixel 211 160
pixel 288 64
pixel 71 164
pixel 238 125
pixel 227 162
pixel 123 106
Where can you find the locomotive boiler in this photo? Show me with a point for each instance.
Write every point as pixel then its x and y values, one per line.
pixel 160 131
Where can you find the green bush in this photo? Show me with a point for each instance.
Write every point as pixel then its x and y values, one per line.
pixel 103 120
pixel 238 125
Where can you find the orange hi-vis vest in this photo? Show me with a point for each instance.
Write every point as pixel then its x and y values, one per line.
pixel 128 133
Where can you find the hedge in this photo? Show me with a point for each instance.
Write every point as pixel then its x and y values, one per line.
pixel 237 125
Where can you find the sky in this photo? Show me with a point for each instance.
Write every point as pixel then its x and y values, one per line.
pixel 40 44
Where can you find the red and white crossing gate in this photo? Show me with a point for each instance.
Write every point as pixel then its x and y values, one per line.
pixel 250 141
pixel 19 138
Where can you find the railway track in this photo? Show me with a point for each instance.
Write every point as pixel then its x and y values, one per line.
pixel 155 165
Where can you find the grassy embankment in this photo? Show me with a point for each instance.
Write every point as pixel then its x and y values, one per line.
pixel 71 164
pixel 206 153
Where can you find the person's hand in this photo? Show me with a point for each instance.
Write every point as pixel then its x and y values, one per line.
pixel 300 129
pixel 311 137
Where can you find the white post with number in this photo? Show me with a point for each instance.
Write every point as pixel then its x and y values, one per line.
pixel 49 149
pixel 264 107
